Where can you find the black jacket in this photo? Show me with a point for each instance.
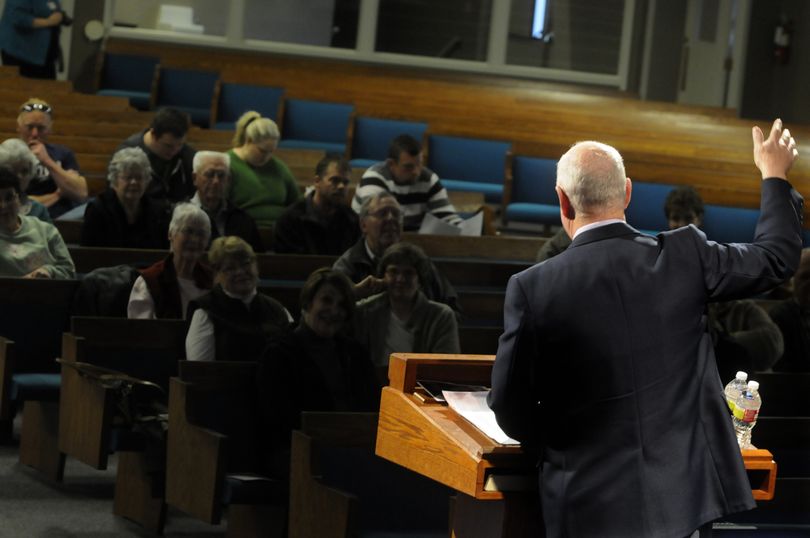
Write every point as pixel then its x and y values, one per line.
pixel 178 183
pixel 105 224
pixel 302 230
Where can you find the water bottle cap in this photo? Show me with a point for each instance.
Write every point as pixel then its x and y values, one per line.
pixel 753 385
pixel 741 376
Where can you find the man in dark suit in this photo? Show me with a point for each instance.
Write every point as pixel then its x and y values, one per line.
pixel 605 367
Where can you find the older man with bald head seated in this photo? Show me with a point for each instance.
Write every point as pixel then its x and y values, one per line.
pixel 605 370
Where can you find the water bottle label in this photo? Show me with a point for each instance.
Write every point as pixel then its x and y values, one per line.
pixel 746 415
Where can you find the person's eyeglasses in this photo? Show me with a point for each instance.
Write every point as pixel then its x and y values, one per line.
pixel 219 174
pixel 136 179
pixel 386 212
pixel 41 107
pixel 234 267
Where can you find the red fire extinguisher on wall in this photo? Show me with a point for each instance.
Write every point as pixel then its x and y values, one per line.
pixel 781 42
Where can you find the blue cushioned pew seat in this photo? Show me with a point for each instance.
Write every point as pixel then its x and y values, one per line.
pixel 469 164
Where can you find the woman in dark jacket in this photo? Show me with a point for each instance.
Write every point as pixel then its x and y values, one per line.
pixel 314 367
pixel 233 321
pixel 122 216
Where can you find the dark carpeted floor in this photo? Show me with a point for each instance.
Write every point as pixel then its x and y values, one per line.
pixel 81 506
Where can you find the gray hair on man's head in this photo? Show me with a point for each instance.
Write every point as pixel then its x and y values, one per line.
pixel 202 156
pixel 129 161
pixel 365 208
pixel 592 176
pixel 185 214
pixel 18 157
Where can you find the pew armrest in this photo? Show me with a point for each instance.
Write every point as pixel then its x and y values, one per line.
pixel 86 412
pixel 195 460
pixel 315 508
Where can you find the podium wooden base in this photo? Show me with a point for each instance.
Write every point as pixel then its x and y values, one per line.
pixel 515 516
pixel 761 471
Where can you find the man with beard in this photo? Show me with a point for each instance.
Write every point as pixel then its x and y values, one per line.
pixel 381 223
pixel 322 222
pixel 212 178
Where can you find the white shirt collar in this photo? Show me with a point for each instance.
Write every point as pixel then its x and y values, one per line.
pixel 594 225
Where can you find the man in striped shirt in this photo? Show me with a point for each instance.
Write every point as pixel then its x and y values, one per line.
pixel 417 189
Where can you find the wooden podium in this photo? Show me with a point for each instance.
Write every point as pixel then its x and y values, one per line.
pixel 497 484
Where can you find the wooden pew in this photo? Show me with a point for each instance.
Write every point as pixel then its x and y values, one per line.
pixel 199 454
pixel 371 496
pixel 145 349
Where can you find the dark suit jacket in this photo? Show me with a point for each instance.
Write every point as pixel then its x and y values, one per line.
pixel 632 429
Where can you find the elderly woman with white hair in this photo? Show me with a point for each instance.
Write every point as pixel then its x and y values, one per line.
pixel 18 158
pixel 263 186
pixel 121 216
pixel 164 289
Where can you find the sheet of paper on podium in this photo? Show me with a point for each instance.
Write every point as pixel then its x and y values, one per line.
pixel 473 407
pixel 471 226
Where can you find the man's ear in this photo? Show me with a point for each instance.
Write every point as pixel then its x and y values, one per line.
pixel 628 191
pixel 566 209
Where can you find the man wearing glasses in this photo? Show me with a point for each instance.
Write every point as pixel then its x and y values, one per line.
pixel 322 222
pixel 212 178
pixel 57 183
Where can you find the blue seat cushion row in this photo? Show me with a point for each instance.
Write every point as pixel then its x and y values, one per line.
pixel 362 163
pixel 372 136
pixel 33 386
pixel 730 224
pixel 329 147
pixel 534 213
pixel 224 126
pixel 246 488
pixel 493 193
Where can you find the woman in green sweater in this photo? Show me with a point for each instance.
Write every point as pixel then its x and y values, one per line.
pixel 262 185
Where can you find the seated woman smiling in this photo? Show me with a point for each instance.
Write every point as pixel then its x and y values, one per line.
pixel 29 247
pixel 233 321
pixel 164 289
pixel 402 319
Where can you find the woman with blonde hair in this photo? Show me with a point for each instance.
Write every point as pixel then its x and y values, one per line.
pixel 233 321
pixel 262 185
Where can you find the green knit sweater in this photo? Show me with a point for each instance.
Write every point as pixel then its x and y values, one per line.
pixel 36 244
pixel 263 193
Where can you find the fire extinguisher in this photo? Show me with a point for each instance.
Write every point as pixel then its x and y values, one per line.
pixel 781 42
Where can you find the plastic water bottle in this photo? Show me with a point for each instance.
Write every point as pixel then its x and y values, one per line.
pixel 745 414
pixel 734 388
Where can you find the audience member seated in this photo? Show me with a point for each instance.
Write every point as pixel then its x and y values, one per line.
pixel 315 366
pixel 164 290
pixel 164 142
pixel 381 226
pixel 233 321
pixel 57 183
pixel 212 178
pixel 29 247
pixel 322 222
pixel 15 155
pixel 417 189
pixel 122 216
pixel 262 184
pixel 793 318
pixel 402 319
pixel 683 206
pixel 555 244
